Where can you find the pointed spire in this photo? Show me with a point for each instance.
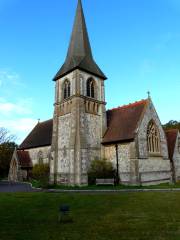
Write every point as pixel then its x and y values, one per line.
pixel 79 53
pixel 79 44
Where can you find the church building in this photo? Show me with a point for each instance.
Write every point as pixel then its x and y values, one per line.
pixel 131 136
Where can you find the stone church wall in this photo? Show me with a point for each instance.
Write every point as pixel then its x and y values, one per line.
pixel 127 162
pixel 152 169
pixel 176 159
pixel 65 154
pixel 149 115
pixel 78 129
pixel 34 154
pixel 91 125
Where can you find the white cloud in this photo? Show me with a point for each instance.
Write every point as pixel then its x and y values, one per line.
pixel 16 113
pixel 19 127
pixel 17 117
pixel 19 124
pixel 9 78
pixel 22 106
pixel 5 75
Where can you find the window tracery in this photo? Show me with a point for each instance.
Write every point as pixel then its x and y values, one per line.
pixel 153 139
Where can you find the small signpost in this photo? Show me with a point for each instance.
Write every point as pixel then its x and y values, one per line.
pixel 64 214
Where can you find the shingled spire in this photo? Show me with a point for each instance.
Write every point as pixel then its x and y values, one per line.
pixel 79 54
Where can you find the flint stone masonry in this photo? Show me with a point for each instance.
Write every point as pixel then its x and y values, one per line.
pixel 154 170
pixel 123 159
pixel 92 124
pixel 176 158
pixel 34 154
pixel 157 168
pixel 149 115
pixel 77 130
pixel 135 164
pixel 64 130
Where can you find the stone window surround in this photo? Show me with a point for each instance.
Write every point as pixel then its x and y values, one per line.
pixel 66 89
pixel 153 141
pixel 91 88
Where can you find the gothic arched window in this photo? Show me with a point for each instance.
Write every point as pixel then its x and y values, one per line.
pixel 153 139
pixel 90 88
pixel 67 89
pixel 40 157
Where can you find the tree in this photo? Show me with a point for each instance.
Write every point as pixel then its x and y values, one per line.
pixel 172 124
pixel 5 136
pixel 6 152
pixel 7 146
pixel 40 173
pixel 100 168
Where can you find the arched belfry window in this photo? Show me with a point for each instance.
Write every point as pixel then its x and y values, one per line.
pixel 153 138
pixel 90 88
pixel 67 89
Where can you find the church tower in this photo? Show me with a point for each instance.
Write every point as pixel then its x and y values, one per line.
pixel 79 120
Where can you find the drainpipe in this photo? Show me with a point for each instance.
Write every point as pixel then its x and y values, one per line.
pixel 117 165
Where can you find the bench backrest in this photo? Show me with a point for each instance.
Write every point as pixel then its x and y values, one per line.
pixel 104 180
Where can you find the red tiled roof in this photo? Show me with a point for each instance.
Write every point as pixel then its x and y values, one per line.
pixel 171 136
pixel 40 136
pixel 24 158
pixel 122 122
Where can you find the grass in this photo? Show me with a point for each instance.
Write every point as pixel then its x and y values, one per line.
pixel 108 187
pixel 137 216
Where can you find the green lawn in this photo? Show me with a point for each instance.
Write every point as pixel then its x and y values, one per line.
pixel 145 216
pixel 37 184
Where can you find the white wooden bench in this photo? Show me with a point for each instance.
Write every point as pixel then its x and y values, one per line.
pixel 103 181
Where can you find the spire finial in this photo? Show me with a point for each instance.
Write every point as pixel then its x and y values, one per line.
pixel 149 94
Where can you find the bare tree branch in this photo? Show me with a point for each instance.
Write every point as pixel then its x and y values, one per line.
pixel 5 136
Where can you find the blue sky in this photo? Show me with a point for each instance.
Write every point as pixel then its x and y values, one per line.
pixel 135 42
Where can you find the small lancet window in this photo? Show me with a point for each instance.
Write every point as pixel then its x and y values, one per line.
pixel 153 139
pixel 90 88
pixel 67 89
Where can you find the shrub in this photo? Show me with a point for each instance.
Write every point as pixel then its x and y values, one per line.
pixel 40 173
pixel 100 168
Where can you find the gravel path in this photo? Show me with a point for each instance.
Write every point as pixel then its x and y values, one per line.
pixel 9 187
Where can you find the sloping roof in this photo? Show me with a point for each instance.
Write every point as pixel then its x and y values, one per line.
pixel 24 158
pixel 122 122
pixel 79 53
pixel 171 136
pixel 40 136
